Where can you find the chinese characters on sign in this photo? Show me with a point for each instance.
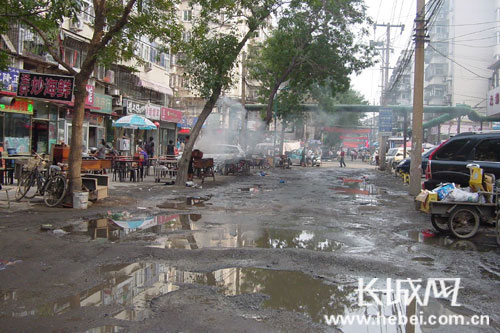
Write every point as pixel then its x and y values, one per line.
pixel 171 115
pixel 153 112
pixel 385 121
pixel 20 106
pixel 134 107
pixel 89 100
pixel 493 102
pixel 104 102
pixel 45 86
pixel 8 79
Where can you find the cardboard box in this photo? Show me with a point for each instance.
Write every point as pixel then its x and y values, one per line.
pixel 426 207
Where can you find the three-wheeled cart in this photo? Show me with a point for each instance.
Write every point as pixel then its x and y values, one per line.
pixel 463 219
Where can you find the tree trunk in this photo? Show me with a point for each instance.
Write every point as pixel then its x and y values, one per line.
pixel 188 148
pixel 75 152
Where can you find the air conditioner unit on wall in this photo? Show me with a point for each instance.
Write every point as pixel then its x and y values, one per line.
pixel 114 92
pixel 147 67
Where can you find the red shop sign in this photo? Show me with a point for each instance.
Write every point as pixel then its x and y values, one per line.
pixel 171 115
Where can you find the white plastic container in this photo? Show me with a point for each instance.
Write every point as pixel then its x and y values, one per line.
pixel 80 200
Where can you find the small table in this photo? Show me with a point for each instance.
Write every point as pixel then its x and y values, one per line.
pixel 164 167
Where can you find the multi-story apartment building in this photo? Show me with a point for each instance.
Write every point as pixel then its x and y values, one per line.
pixel 463 43
pixel 39 123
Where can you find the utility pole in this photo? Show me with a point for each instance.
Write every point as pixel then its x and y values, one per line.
pixel 418 102
pixel 383 138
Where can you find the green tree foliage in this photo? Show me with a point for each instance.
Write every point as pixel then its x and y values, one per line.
pixel 117 26
pixel 210 56
pixel 314 43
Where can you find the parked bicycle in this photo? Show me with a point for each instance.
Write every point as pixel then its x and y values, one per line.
pixel 51 183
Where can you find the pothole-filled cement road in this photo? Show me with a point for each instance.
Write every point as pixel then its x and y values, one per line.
pixel 279 251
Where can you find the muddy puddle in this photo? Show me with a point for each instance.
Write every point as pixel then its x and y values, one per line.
pixel 185 203
pixel 195 231
pixel 359 193
pixel 130 288
pixel 435 239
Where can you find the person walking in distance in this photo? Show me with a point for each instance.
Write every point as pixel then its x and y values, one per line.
pixel 342 158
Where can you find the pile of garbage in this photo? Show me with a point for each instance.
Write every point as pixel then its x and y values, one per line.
pixel 450 192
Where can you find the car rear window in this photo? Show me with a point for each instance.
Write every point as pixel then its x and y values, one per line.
pixel 392 151
pixel 454 150
pixel 488 150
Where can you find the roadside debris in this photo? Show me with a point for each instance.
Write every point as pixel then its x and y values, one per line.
pixel 5 263
pixel 46 227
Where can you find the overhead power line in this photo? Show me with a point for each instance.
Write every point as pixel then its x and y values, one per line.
pixel 452 60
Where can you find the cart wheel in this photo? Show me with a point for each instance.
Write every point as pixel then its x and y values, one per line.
pixel 463 223
pixel 440 223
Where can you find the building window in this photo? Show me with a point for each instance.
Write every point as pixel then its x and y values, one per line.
pixel 187 15
pixel 72 57
pixel 186 36
pixel 88 13
pixel 498 37
pixel 498 14
pixel 438 92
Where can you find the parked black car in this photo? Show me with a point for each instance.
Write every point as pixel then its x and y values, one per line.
pixel 448 163
pixel 404 165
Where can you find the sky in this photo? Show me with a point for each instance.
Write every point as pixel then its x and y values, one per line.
pixel 395 12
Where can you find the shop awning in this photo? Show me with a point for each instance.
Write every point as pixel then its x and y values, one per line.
pixel 156 87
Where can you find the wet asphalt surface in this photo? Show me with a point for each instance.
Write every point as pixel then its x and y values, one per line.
pixel 254 253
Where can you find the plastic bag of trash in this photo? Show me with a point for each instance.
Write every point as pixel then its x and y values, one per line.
pixel 189 184
pixel 460 195
pixel 443 190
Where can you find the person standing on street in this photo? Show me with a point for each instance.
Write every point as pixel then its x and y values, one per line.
pixel 150 147
pixel 342 158
pixel 170 148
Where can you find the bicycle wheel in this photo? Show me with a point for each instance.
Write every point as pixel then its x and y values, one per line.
pixel 24 185
pixel 36 185
pixel 55 190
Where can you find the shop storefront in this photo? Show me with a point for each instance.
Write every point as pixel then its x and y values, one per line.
pixel 153 113
pixel 44 127
pixel 132 138
pixel 15 119
pixel 15 126
pixel 98 110
pixel 168 127
pixel 100 116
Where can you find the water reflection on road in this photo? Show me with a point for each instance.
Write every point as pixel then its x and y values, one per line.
pixel 132 287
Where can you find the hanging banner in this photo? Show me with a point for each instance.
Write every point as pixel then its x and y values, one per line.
pixel 89 100
pixel 52 87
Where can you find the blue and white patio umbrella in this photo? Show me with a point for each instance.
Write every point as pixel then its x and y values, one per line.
pixel 135 121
